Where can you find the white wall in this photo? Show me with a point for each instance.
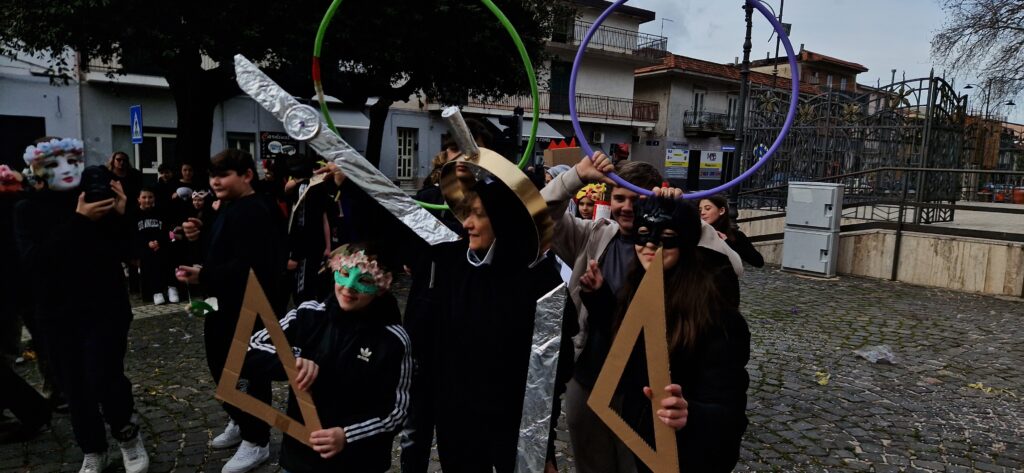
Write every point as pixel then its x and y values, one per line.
pixel 601 76
pixel 27 95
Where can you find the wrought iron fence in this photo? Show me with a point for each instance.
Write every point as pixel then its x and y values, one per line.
pixel 610 38
pixel 913 124
pixel 893 194
pixel 587 105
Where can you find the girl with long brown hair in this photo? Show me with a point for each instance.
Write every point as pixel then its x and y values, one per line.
pixel 709 342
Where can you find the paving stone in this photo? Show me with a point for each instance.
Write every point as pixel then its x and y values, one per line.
pixel 870 417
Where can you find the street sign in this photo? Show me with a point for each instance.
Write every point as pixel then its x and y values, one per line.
pixel 760 150
pixel 135 119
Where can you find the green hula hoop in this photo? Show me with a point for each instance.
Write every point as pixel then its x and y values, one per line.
pixel 527 64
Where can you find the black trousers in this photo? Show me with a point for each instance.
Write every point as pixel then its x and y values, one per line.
pixel 21 399
pixel 219 330
pixel 156 272
pixel 88 356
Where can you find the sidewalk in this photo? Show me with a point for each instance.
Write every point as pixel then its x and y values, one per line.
pixel 954 400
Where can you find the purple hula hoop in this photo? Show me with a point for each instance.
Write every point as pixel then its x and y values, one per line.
pixel 790 115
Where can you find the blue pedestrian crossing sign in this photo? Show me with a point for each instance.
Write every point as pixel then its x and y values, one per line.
pixel 760 150
pixel 135 113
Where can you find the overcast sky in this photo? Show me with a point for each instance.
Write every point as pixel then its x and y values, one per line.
pixel 879 34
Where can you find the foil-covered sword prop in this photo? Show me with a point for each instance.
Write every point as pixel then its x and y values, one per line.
pixel 304 123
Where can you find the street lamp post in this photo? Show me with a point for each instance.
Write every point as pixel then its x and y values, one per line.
pixel 988 97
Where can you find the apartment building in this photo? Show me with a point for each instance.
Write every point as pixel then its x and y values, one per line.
pixel 610 116
pixel 827 72
pixel 94 105
pixel 694 138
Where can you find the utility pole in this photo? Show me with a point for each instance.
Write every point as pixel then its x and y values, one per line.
pixel 734 166
pixel 778 41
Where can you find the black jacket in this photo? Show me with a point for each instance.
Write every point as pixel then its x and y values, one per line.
pixel 741 244
pixel 363 384
pixel 713 376
pixel 74 264
pixel 483 336
pixel 149 226
pixel 247 233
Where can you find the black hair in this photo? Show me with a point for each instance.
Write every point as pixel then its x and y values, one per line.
pixel 164 167
pixel 232 160
pixel 724 223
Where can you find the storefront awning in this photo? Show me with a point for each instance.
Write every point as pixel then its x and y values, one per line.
pixel 350 119
pixel 543 129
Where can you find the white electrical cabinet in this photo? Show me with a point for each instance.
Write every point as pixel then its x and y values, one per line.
pixel 811 240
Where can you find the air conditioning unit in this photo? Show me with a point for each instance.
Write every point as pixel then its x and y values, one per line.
pixel 597 137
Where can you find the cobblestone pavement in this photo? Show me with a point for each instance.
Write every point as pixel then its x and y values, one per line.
pixel 952 401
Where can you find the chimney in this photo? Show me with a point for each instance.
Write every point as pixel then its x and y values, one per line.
pixel 736 61
pixel 801 47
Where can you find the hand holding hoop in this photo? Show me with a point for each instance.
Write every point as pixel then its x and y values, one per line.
pixel 790 115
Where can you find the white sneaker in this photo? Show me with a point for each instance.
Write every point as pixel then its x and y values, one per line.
pixel 158 299
pixel 133 452
pixel 172 295
pixel 248 456
pixel 231 436
pixel 94 463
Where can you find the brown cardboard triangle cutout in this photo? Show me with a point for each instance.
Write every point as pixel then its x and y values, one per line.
pixel 255 305
pixel 645 315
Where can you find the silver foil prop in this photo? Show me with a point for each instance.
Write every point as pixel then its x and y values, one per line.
pixel 303 122
pixel 460 131
pixel 540 382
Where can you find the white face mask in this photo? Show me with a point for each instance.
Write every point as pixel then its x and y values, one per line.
pixel 62 172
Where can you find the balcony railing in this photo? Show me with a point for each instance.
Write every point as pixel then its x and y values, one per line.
pixel 137 63
pixel 701 120
pixel 592 106
pixel 610 38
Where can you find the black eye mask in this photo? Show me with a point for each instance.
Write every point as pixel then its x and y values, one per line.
pixel 652 221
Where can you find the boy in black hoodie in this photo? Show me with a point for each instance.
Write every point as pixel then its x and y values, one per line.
pixel 152 247
pixel 354 357
pixel 248 233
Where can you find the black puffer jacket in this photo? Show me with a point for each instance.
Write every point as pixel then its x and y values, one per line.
pixel 363 384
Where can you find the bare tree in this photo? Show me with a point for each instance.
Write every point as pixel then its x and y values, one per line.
pixel 984 39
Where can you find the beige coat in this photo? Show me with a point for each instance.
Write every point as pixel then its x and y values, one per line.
pixel 578 241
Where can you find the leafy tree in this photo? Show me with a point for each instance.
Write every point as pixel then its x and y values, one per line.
pixel 984 39
pixel 447 49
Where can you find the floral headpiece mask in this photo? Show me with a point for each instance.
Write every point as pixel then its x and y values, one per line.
pixel 58 162
pixel 591 191
pixel 354 270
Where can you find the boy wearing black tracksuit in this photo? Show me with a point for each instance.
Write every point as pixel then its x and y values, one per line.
pixel 248 233
pixel 363 385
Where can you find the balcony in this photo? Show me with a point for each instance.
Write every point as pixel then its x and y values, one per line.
pixel 587 106
pixel 136 62
pixel 612 39
pixel 704 123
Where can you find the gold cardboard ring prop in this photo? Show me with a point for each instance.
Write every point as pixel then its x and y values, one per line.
pixel 491 164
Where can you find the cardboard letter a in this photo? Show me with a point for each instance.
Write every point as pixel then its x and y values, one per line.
pixel 646 315
pixel 255 305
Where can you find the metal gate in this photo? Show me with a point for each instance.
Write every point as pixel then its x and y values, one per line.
pixel 917 123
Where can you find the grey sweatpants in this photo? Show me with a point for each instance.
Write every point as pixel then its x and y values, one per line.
pixel 595 448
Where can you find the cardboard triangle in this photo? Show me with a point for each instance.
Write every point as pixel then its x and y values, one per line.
pixel 255 305
pixel 646 314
